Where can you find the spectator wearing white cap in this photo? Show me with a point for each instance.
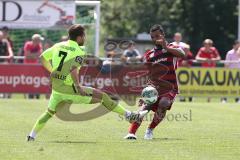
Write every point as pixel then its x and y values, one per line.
pixel 33 49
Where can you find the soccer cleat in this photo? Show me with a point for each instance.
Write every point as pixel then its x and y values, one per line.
pixel 134 117
pixel 29 138
pixel 148 134
pixel 131 136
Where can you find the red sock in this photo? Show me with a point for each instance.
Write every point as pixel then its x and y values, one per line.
pixel 153 124
pixel 157 118
pixel 133 128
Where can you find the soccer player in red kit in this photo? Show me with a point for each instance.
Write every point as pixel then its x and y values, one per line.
pixel 162 63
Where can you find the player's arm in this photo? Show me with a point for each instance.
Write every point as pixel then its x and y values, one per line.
pixel 199 57
pixel 218 57
pixel 79 60
pixel 177 52
pixel 45 59
pixel 75 77
pixel 46 64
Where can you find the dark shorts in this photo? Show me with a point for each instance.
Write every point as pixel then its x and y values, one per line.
pixel 170 95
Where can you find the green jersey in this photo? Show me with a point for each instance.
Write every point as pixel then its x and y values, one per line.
pixel 64 56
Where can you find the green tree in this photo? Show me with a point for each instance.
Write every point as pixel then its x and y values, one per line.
pixel 197 20
pixel 216 20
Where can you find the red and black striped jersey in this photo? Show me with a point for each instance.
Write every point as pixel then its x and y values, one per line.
pixel 162 65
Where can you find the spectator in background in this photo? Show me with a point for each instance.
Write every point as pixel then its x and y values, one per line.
pixel 47 44
pixel 233 61
pixel 110 64
pixel 131 54
pixel 186 61
pixel 5 31
pixel 183 62
pixel 234 56
pixel 5 48
pixel 208 55
pixel 32 51
pixel 178 40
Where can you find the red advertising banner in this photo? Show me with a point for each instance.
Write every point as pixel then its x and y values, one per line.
pixel 19 78
pixel 120 79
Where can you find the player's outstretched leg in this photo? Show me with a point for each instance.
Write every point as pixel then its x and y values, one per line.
pixel 42 120
pixel 132 130
pixel 106 101
pixel 159 115
pixel 135 125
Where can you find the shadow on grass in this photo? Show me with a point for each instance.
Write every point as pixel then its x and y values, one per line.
pixel 73 142
pixel 168 139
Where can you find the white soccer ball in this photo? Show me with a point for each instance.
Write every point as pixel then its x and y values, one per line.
pixel 149 95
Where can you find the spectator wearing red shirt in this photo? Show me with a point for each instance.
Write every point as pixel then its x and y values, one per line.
pixel 33 49
pixel 208 54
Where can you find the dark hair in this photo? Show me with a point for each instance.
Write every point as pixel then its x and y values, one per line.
pixel 5 28
pixel 131 43
pixel 157 27
pixel 236 42
pixel 75 30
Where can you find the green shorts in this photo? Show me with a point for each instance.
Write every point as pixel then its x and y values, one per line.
pixel 75 98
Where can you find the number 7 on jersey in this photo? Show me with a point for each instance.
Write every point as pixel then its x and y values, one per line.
pixel 63 55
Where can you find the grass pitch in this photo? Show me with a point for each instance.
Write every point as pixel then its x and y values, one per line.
pixel 191 131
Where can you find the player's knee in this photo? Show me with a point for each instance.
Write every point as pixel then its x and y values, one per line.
pixel 50 112
pixel 164 103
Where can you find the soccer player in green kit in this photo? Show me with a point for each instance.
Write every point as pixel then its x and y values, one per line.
pixel 63 61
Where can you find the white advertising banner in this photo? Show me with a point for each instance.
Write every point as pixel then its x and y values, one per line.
pixel 36 14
